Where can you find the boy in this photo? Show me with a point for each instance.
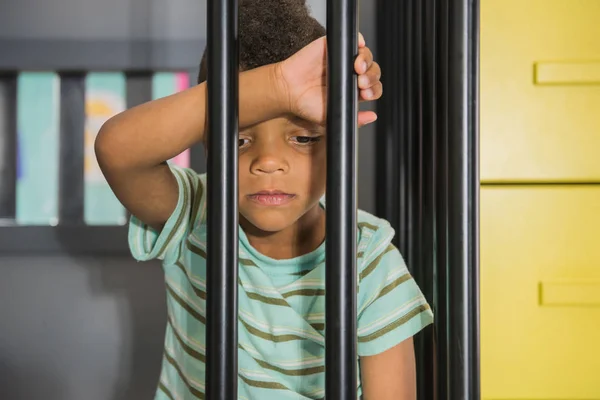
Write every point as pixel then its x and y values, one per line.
pixel 282 222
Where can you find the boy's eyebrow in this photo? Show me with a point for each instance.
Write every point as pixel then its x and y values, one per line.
pixel 310 126
pixel 295 120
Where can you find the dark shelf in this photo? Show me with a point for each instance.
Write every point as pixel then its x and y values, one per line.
pixel 97 55
pixel 64 239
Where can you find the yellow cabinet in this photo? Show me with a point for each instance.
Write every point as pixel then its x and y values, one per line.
pixel 540 292
pixel 540 90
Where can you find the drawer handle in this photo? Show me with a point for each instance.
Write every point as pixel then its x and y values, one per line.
pixel 569 293
pixel 567 73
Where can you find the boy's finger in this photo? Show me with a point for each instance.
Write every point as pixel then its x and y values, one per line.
pixel 366 54
pixel 366 117
pixel 361 40
pixel 372 93
pixel 370 78
pixel 363 61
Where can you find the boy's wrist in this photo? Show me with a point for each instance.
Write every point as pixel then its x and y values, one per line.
pixel 279 88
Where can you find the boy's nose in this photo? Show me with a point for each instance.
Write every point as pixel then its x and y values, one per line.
pixel 269 164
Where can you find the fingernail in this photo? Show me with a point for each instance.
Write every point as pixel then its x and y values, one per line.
pixel 368 93
pixel 364 66
pixel 369 122
pixel 363 80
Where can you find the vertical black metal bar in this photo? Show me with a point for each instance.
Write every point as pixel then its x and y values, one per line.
pixel 441 225
pixel 426 277
pixel 409 147
pixel 395 165
pixel 474 187
pixel 72 127
pixel 462 203
pixel 388 110
pixel 8 146
pixel 222 201
pixel 402 224
pixel 417 237
pixel 428 143
pixel 416 136
pixel 342 108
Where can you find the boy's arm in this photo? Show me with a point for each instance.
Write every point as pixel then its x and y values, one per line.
pixel 132 147
pixel 390 375
pixel 392 310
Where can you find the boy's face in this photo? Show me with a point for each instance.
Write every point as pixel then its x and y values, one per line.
pixel 282 172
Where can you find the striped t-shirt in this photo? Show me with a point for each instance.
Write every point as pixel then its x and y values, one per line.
pixel 281 325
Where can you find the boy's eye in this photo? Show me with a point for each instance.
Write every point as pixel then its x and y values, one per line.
pixel 243 142
pixel 306 139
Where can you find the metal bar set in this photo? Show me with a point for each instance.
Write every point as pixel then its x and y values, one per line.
pixel 342 47
pixel 427 136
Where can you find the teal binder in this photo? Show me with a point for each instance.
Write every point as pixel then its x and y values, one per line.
pixel 105 96
pixel 38 143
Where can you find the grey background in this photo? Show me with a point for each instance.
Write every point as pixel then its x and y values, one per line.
pixel 75 328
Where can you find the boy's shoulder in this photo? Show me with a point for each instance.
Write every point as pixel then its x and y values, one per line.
pixel 370 223
pixel 374 236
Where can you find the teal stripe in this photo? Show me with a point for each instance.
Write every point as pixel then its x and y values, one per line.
pixel 186 306
pixel 194 391
pixel 186 347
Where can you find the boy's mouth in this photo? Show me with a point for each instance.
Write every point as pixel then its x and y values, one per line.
pixel 271 197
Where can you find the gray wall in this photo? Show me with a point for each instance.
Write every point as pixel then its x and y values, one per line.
pixel 106 19
pixel 77 328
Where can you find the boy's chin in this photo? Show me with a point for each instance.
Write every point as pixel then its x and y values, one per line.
pixel 269 222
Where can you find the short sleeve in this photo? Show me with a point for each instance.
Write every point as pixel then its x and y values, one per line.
pixel 145 243
pixel 393 307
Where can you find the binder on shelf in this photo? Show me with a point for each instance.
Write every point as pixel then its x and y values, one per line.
pixel 105 96
pixel 38 146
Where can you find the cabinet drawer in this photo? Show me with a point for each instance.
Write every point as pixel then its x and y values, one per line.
pixel 540 292
pixel 540 90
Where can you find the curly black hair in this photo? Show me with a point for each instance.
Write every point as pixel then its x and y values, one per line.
pixel 270 31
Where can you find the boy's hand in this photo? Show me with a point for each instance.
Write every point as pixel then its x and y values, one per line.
pixel 303 81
